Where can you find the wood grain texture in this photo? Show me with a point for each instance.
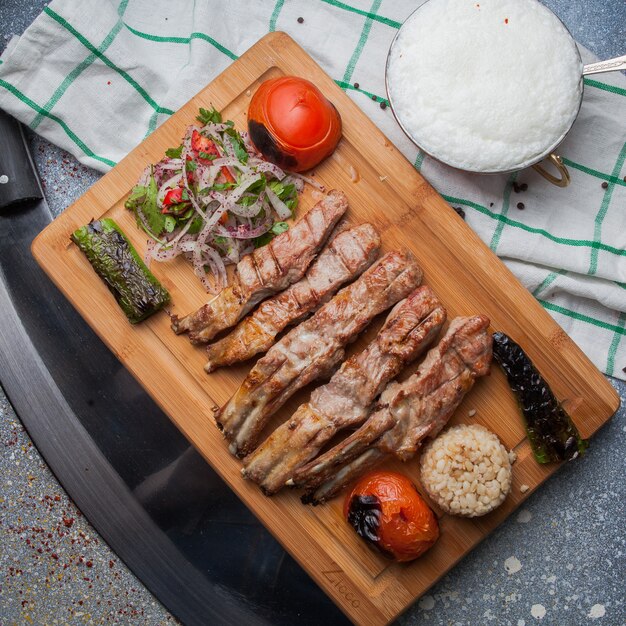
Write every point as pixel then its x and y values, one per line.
pixel 465 274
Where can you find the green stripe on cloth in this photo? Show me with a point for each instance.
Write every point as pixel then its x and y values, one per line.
pixel 606 200
pixel 152 123
pixel 419 159
pixel 68 131
pixel 547 281
pixel 580 317
pixel 617 337
pixel 367 27
pixel 129 79
pixel 81 67
pixel 184 40
pixel 506 199
pixel 369 94
pixel 537 231
pixel 351 9
pixel 589 82
pixel 275 13
pixel 596 173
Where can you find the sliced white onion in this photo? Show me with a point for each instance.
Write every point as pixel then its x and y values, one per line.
pixel 218 269
pixel 251 210
pixel 210 223
pixel 220 198
pixel 292 180
pixel 232 162
pixel 214 129
pixel 309 180
pixel 207 177
pixel 245 231
pixel 245 182
pixel 282 210
pixel 250 147
pixel 192 196
pixel 171 164
pixel 181 233
pixel 228 147
pixel 147 259
pixel 202 255
pixel 144 179
pixel 265 166
pixel 166 253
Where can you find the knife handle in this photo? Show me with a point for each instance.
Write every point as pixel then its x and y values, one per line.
pixel 18 176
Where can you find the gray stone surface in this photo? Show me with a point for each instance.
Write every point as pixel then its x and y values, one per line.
pixel 559 560
pixel 54 567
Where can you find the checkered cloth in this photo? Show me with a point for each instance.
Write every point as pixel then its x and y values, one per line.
pixel 97 76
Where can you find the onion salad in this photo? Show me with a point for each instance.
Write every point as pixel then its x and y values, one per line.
pixel 213 199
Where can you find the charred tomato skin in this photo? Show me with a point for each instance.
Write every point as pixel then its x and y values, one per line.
pixel 387 511
pixel 292 123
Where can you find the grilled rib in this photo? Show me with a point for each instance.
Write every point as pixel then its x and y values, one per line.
pixel 314 348
pixel 266 271
pixel 345 401
pixel 345 257
pixel 408 412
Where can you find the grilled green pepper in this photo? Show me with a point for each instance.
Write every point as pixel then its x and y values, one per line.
pixel 551 432
pixel 135 288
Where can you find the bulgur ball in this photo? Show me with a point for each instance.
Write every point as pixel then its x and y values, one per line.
pixel 466 471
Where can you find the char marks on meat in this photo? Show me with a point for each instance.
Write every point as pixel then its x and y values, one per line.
pixel 348 254
pixel 345 401
pixel 266 271
pixel 314 348
pixel 407 412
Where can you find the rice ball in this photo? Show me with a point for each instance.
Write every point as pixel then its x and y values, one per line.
pixel 466 471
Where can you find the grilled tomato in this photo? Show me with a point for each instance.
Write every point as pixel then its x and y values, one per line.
pixel 292 124
pixel 387 511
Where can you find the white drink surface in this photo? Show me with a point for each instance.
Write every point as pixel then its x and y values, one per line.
pixel 484 85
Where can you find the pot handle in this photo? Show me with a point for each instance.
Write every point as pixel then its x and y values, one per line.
pixel 564 181
pixel 610 65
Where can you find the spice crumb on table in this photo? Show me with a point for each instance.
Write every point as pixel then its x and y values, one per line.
pixel 55 567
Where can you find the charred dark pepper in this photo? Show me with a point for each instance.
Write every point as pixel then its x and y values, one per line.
pixel 551 432
pixel 135 288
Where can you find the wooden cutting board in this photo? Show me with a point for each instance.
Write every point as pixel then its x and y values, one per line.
pixel 384 189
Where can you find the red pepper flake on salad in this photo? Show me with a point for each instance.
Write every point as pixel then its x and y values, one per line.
pixel 214 199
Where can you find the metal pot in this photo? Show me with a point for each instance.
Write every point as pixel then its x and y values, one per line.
pixel 548 155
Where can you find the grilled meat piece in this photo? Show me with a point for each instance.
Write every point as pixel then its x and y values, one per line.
pixel 314 348
pixel 266 271
pixel 407 413
pixel 345 401
pixel 345 257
